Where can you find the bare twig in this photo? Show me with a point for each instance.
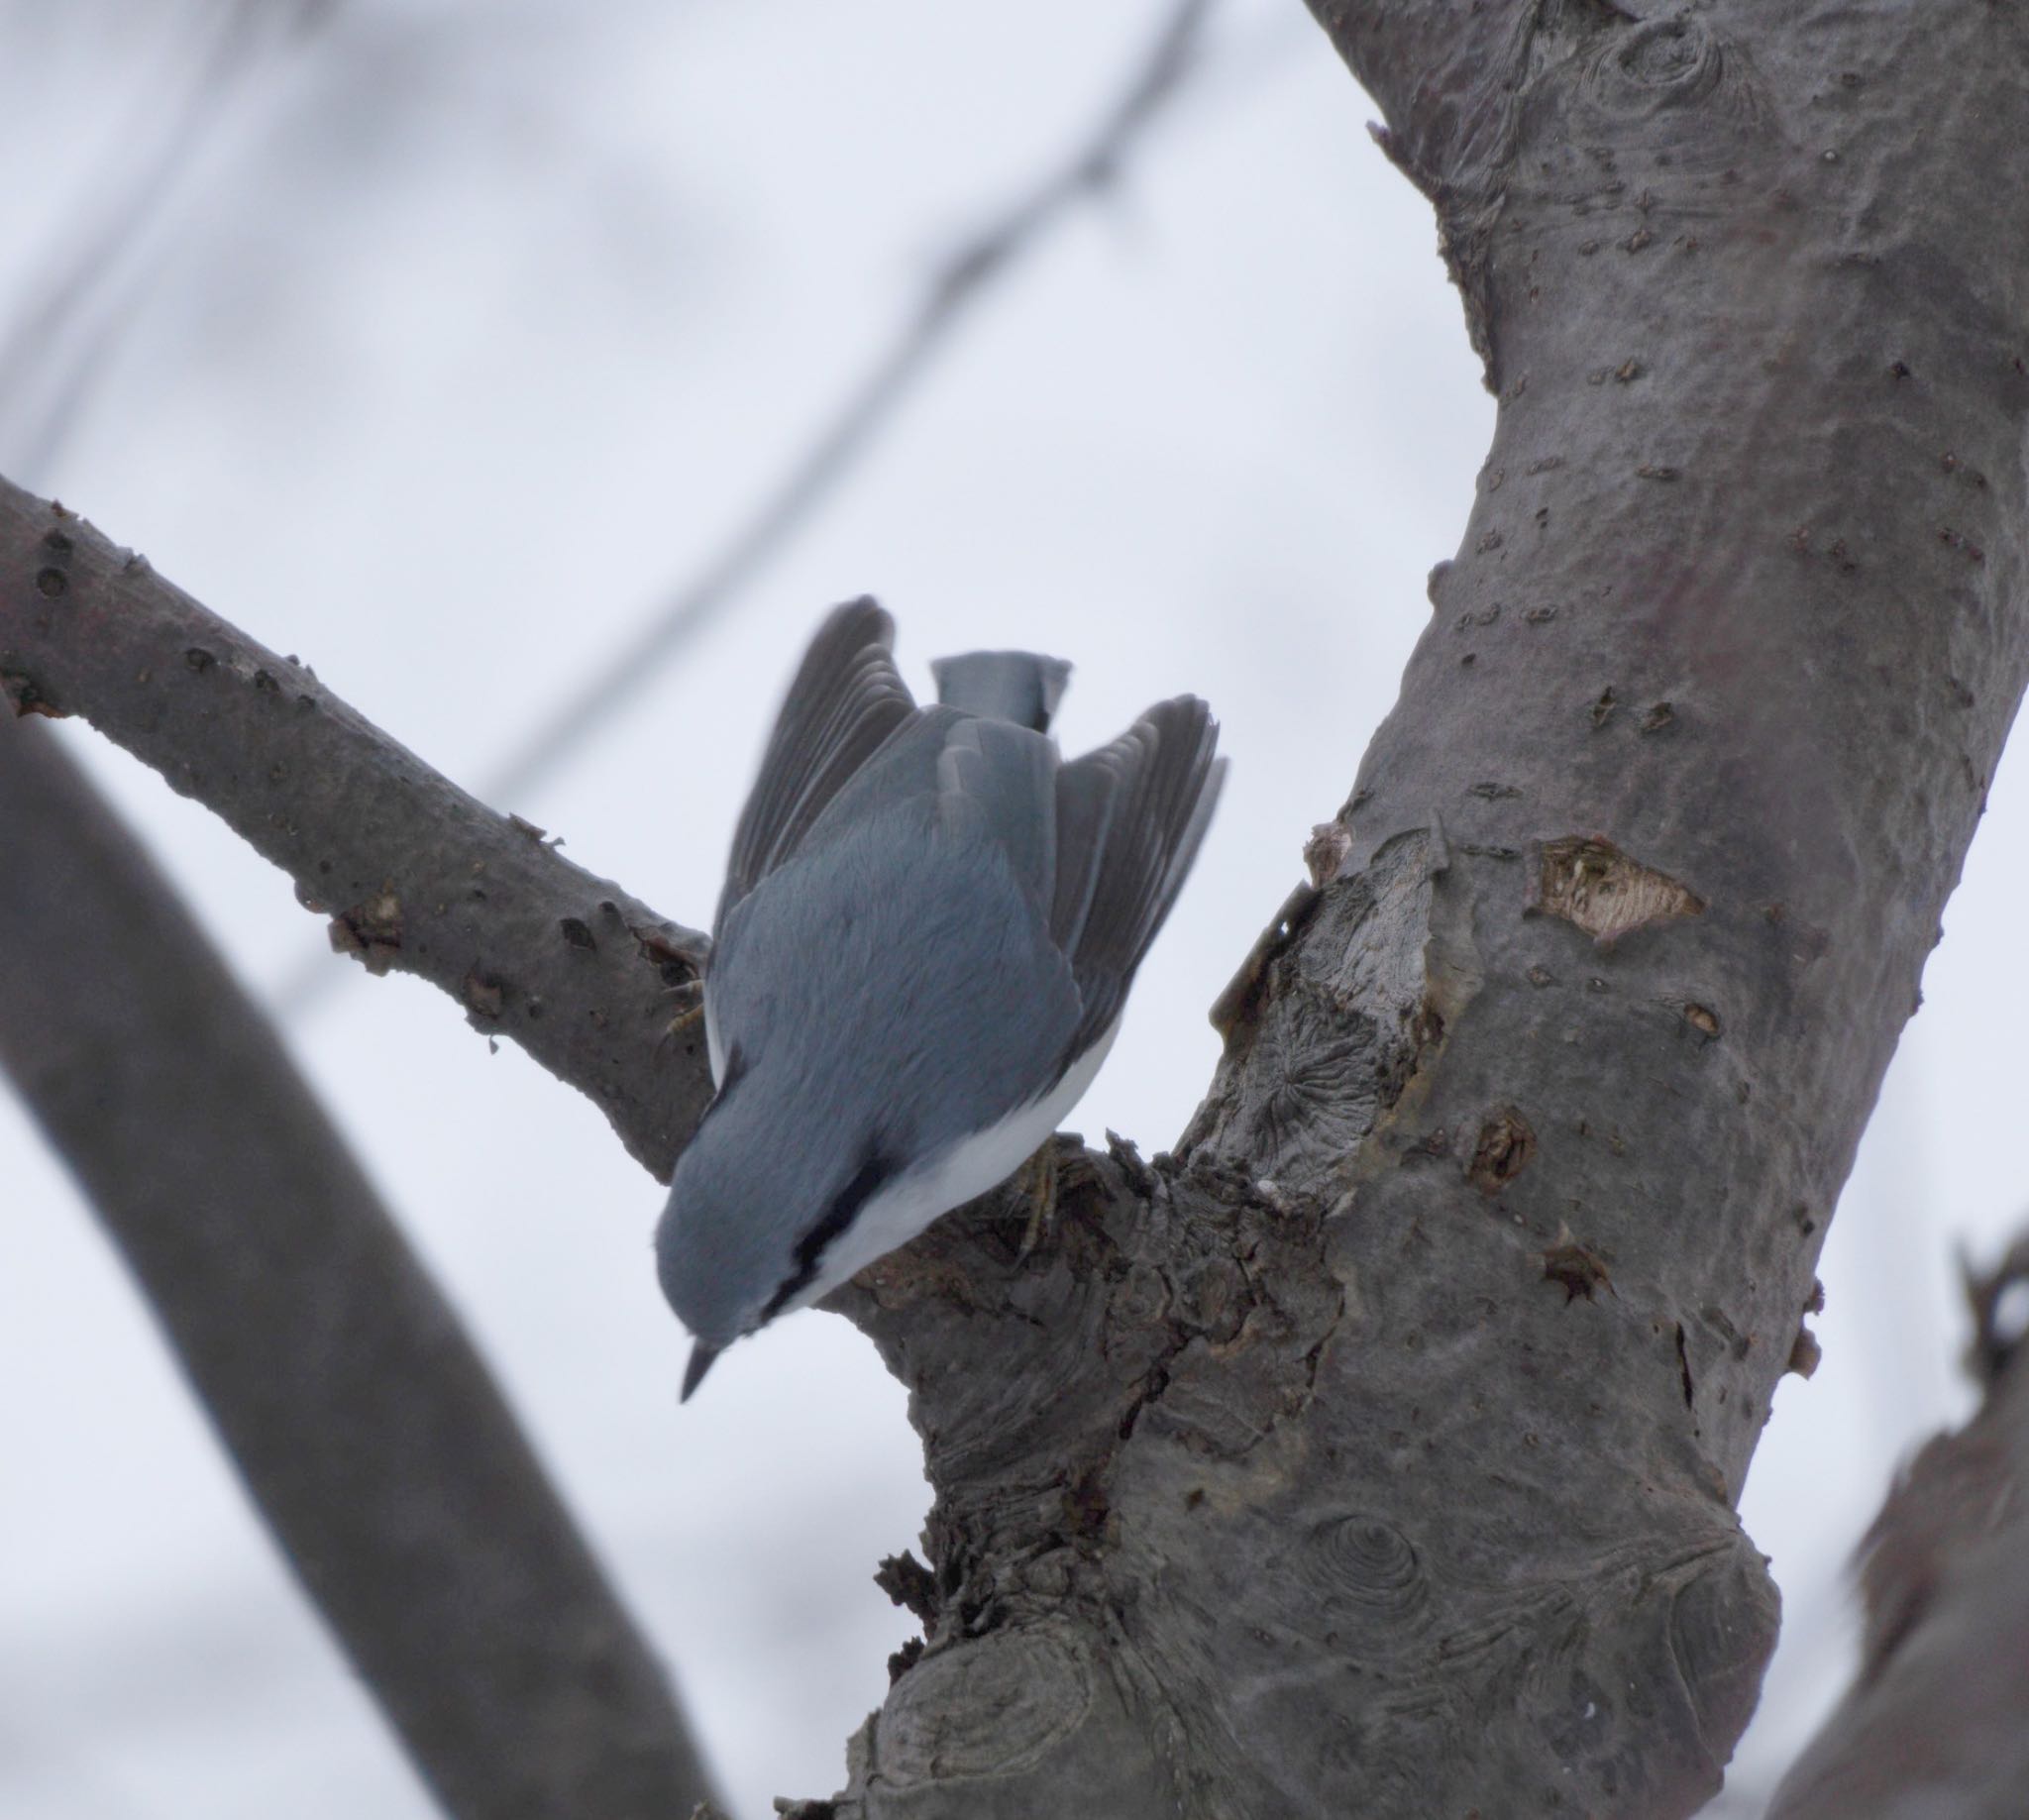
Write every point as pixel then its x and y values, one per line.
pixel 415 874
pixel 363 1424
pixel 844 436
pixel 93 252
pixel 869 403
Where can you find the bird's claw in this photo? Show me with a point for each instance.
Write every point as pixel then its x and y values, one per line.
pixel 1039 1186
pixel 693 991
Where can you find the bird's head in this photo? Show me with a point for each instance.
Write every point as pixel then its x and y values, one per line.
pixel 759 1196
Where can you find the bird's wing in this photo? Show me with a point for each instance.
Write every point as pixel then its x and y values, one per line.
pixel 846 701
pixel 1128 821
pixel 997 780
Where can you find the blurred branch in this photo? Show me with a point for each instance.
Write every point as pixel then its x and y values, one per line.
pixel 363 1421
pixel 93 252
pixel 870 402
pixel 416 874
pixel 1937 1721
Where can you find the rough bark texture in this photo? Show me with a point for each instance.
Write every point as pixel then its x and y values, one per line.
pixel 366 1427
pixel 413 872
pixel 1937 1725
pixel 1377 1454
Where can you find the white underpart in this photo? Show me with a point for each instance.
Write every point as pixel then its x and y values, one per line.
pixel 952 1177
pixel 714 1049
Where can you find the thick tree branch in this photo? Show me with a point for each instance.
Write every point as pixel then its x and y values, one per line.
pixel 363 1421
pixel 1449 75
pixel 1938 1720
pixel 416 874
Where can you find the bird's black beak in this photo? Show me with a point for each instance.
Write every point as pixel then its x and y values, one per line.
pixel 702 1356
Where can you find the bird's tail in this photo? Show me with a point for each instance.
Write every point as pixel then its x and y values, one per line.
pixel 1016 685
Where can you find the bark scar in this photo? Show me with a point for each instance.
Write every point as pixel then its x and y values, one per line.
pixel 1588 881
pixel 1506 1143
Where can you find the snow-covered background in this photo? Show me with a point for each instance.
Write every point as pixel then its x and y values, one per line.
pixel 462 330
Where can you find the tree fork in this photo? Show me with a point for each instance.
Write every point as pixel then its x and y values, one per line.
pixel 1378 1451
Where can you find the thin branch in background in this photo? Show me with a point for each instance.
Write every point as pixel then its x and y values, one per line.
pixel 870 402
pixel 844 436
pixel 93 255
pixel 363 1421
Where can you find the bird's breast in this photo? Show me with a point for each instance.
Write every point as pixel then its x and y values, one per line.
pixel 959 1172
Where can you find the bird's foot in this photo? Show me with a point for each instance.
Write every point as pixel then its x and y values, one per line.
pixel 693 992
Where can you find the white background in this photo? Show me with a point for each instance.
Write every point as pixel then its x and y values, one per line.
pixel 471 327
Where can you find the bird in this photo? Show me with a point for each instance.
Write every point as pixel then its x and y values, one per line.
pixel 929 925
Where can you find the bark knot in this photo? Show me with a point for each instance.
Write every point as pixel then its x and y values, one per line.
pixel 1506 1143
pixel 24 695
pixel 1579 1269
pixel 370 929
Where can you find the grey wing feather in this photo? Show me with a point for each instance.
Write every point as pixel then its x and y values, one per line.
pixel 845 703
pixel 1129 820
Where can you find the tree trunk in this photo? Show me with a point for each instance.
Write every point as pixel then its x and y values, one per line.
pixel 1377 1452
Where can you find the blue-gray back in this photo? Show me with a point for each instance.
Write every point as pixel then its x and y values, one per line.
pixel 928 919
pixel 1101 845
pixel 896 979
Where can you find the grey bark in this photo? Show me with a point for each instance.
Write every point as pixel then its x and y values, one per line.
pixel 1377 1452
pixel 363 1424
pixel 1936 1725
